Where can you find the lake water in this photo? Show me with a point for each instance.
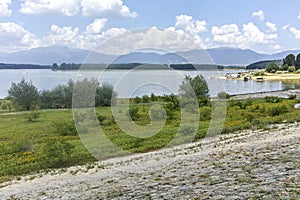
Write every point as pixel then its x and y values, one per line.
pixel 130 83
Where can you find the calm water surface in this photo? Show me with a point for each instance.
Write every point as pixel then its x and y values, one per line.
pixel 137 82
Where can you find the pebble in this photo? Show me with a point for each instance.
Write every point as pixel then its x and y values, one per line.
pixel 251 165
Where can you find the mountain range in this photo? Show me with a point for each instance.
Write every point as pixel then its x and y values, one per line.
pixel 61 54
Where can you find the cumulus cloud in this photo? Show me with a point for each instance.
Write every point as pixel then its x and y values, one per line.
pixel 105 8
pixel 90 8
pixel 191 27
pixel 295 32
pixel 14 37
pixel 259 14
pixel 227 34
pixel 97 26
pixel 250 35
pixel 53 7
pixel 168 39
pixel 271 27
pixel 4 8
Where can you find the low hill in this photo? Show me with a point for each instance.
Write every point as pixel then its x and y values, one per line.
pixel 264 64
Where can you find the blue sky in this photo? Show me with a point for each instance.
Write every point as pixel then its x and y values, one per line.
pixel 266 26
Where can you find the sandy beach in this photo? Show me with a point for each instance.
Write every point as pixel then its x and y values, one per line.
pixel 251 164
pixel 268 77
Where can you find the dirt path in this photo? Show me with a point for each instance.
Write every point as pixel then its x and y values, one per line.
pixel 250 164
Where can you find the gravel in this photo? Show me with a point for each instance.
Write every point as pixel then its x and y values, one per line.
pixel 251 164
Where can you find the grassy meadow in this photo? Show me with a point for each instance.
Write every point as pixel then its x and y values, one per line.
pixel 36 141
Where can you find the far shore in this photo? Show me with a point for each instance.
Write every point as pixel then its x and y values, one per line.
pixel 267 77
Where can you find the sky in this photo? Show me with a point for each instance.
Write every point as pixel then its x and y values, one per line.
pixel 265 26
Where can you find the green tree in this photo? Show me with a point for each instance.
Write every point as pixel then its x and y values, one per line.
pixel 272 68
pixel 297 63
pixel 24 95
pixel 54 66
pixel 289 60
pixel 105 95
pixel 196 85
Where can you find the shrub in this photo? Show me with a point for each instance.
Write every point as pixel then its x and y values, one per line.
pixel 33 116
pixel 133 112
pixel 278 110
pixel 56 154
pixel 292 69
pixel 205 113
pixel 64 127
pixel 273 99
pixel 101 118
pixel 292 96
pixel 223 95
pixel 146 99
pixel 157 112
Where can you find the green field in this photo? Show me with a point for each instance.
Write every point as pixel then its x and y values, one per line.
pixel 36 141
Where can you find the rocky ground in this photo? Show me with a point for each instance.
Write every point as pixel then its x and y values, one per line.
pixel 282 94
pixel 252 164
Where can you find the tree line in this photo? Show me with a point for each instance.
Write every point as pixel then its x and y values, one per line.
pixel 89 93
pixel 291 63
pixel 25 96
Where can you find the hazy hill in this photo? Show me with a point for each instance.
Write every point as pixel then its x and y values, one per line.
pixel 220 56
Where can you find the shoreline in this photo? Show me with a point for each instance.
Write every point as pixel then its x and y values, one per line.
pixel 285 93
pixel 245 164
pixel 266 77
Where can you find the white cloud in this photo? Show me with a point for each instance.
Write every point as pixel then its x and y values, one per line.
pixel 189 25
pixel 53 7
pixel 228 34
pixel 295 32
pixel 14 37
pixel 168 39
pixel 298 15
pixel 285 27
pixel 271 27
pixel 259 14
pixel 90 8
pixel 4 8
pixel 106 8
pixel 254 36
pixel 192 28
pixel 250 35
pixel 97 26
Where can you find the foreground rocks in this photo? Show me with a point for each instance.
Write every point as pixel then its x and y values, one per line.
pixel 250 164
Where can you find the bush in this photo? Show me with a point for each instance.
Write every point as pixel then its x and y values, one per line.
pixel 273 99
pixel 64 127
pixel 223 95
pixel 57 154
pixel 259 73
pixel 133 113
pixel 292 96
pixel 205 113
pixel 292 69
pixel 101 118
pixel 33 116
pixel 275 111
pixel 272 68
pixel 157 112
pixel 146 99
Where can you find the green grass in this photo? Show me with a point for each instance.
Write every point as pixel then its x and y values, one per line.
pixel 51 141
